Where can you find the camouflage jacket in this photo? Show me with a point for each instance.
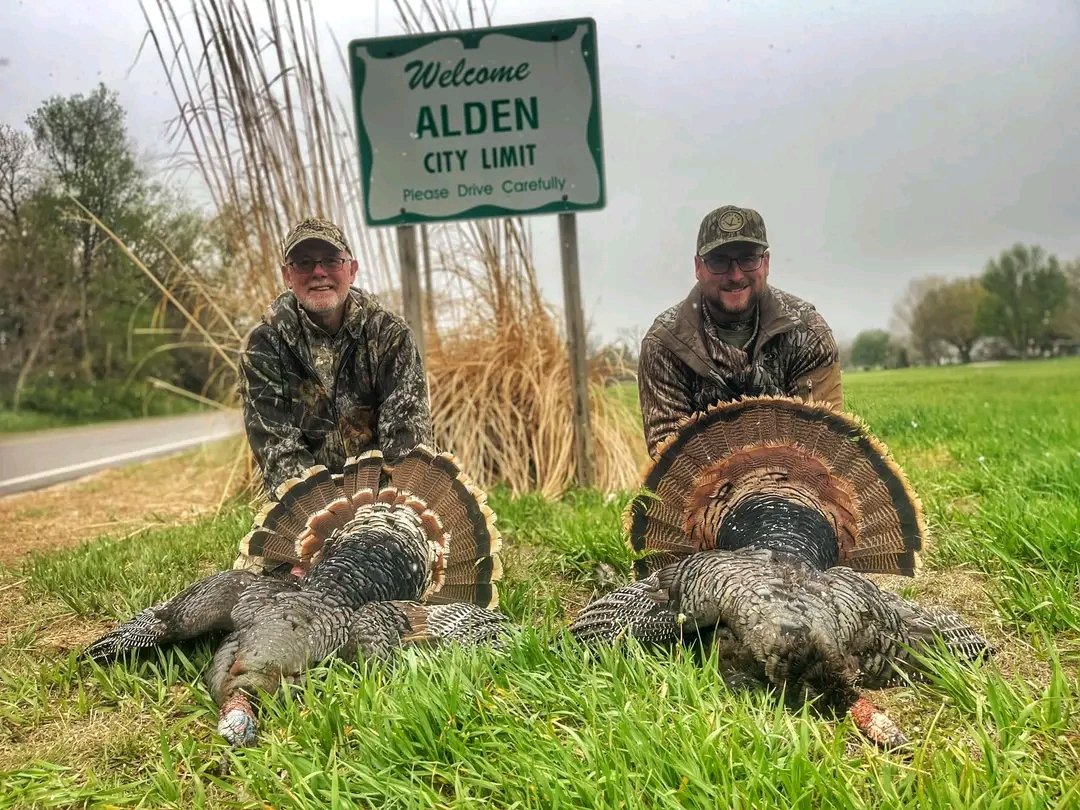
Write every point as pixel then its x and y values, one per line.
pixel 684 368
pixel 379 397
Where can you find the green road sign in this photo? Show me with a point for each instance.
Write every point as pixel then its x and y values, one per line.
pixel 487 122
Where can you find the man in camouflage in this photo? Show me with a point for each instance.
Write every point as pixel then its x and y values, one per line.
pixel 734 335
pixel 328 373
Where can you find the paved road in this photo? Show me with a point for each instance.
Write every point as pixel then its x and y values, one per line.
pixel 35 460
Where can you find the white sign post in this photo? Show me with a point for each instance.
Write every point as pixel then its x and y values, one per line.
pixel 485 123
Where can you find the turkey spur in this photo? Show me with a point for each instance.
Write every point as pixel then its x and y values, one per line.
pixel 758 521
pixel 373 565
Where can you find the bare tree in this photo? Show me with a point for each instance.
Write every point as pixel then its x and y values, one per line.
pixel 16 176
pixel 628 339
pixel 903 319
pixel 34 269
pixel 25 327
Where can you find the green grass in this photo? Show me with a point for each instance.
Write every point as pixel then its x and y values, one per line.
pixel 22 421
pixel 625 393
pixel 995 455
pixel 50 403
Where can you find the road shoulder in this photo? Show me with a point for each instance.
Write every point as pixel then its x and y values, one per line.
pixel 122 502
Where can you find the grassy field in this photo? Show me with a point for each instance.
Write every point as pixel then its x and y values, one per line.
pixel 994 453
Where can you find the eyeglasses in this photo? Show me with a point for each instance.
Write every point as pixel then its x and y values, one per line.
pixel 308 265
pixel 722 264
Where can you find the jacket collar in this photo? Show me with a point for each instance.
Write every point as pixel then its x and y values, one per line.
pixel 776 318
pixel 686 335
pixel 283 315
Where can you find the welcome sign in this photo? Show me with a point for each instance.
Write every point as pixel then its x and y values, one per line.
pixel 479 123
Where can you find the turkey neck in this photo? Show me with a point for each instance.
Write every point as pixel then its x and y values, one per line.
pixel 370 566
pixel 775 523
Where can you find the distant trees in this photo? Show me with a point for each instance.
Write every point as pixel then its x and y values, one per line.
pixel 1024 300
pixel 1026 289
pixel 1067 320
pixel 71 304
pixel 83 145
pixel 871 349
pixel 947 314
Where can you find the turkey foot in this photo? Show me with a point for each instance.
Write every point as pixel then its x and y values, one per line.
pixel 877 726
pixel 236 720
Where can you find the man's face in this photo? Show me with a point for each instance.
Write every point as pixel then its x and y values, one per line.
pixel 733 277
pixel 319 288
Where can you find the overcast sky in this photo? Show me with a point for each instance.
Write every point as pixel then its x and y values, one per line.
pixel 881 141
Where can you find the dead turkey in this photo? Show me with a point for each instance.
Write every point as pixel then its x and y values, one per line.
pixel 376 565
pixel 756 523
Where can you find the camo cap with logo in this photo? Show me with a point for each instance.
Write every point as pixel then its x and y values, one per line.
pixel 313 228
pixel 730 223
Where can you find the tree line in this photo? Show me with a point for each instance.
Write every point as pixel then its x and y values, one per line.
pixel 1026 303
pixel 75 312
pixel 76 315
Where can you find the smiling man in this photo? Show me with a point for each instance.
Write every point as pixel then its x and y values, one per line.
pixel 328 373
pixel 734 335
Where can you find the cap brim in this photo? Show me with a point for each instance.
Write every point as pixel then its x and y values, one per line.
pixel 711 246
pixel 313 238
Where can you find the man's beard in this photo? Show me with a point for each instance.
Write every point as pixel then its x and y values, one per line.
pixel 718 309
pixel 322 303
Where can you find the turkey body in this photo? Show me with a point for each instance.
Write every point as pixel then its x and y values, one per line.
pixel 281 629
pixel 359 597
pixel 757 522
pixel 774 619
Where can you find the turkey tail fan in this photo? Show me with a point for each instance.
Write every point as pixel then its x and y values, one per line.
pixel 757 457
pixel 655 534
pixel 454 513
pixel 361 480
pixel 311 492
pixel 312 505
pixel 308 509
pixel 363 473
pixel 410 473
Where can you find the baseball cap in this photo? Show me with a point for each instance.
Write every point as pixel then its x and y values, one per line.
pixel 313 228
pixel 730 223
